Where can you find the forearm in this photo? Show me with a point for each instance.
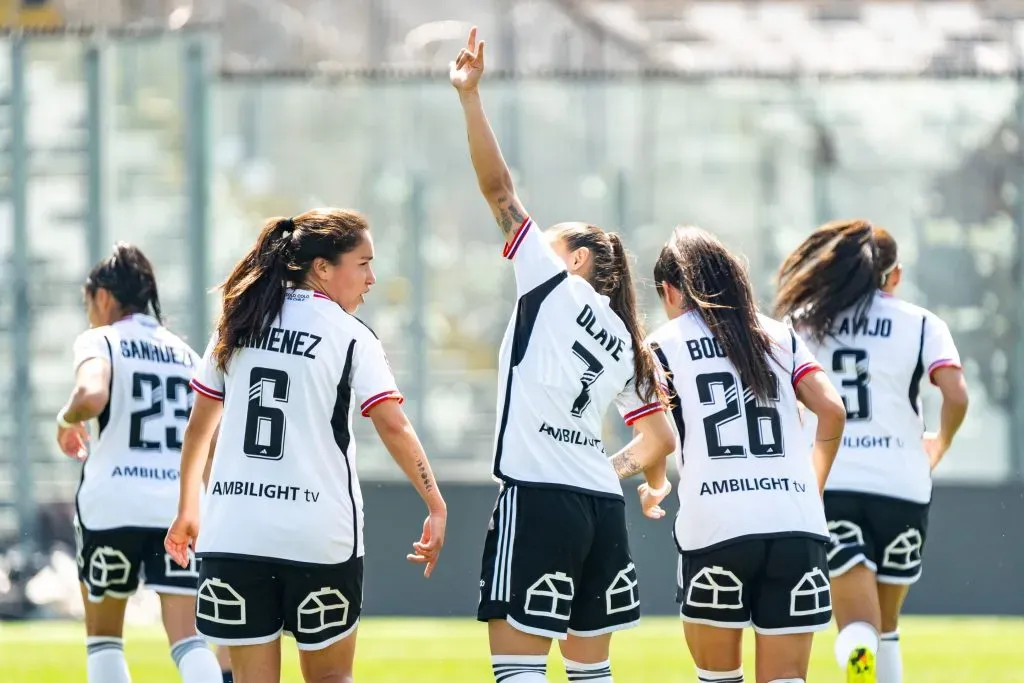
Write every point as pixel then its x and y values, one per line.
pixel 404 446
pixel 638 456
pixel 194 457
pixel 82 405
pixel 657 473
pixel 951 416
pixel 826 445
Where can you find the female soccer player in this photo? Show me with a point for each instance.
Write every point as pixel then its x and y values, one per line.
pixel 838 288
pixel 751 529
pixel 132 375
pixel 556 558
pixel 289 364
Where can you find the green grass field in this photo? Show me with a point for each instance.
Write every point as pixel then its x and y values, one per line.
pixel 936 650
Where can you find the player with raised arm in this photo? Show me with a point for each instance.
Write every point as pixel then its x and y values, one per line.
pixel 282 526
pixel 838 287
pixel 751 528
pixel 132 376
pixel 556 561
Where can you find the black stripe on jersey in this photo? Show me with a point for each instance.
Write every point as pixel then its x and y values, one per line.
pixel 915 380
pixel 526 317
pixel 104 417
pixel 343 434
pixel 676 400
pixel 792 339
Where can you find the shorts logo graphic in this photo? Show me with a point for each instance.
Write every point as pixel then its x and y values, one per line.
pixel 622 595
pixel 844 535
pixel 108 567
pixel 173 571
pixel 904 553
pixel 79 544
pixel 810 595
pixel 220 603
pixel 716 588
pixel 326 608
pixel 550 596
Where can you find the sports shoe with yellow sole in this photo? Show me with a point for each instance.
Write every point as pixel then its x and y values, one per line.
pixel 860 668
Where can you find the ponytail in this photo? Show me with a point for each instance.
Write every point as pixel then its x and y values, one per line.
pixel 715 283
pixel 622 298
pixel 255 290
pixel 128 275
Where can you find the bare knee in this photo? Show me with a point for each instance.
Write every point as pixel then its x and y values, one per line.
pixel 593 650
pixel 855 597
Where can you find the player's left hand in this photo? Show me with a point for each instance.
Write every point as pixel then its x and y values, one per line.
pixel 72 441
pixel 650 499
pixel 426 550
pixel 181 536
pixel 468 67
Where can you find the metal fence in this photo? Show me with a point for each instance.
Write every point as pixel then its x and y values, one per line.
pixel 142 138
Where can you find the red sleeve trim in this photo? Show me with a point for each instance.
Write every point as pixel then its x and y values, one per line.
pixel 512 247
pixel 391 395
pixel 206 391
pixel 941 363
pixel 804 370
pixel 649 409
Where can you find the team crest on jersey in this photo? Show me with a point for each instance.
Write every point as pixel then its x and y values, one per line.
pixel 218 602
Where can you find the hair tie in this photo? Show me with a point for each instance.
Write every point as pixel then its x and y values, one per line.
pixel 287 226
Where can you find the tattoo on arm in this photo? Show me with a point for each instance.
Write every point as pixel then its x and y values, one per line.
pixel 626 464
pixel 425 476
pixel 509 216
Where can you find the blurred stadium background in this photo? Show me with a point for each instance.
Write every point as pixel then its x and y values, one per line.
pixel 180 125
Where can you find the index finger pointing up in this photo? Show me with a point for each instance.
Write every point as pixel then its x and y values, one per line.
pixel 471 41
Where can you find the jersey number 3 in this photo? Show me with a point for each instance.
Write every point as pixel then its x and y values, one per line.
pixel 764 426
pixel 265 424
pixel 852 366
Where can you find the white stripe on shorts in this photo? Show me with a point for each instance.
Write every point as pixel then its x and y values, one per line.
pixel 501 589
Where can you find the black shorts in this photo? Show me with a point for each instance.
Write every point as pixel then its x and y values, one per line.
pixel 557 562
pixel 251 601
pixel 114 561
pixel 886 534
pixel 777 585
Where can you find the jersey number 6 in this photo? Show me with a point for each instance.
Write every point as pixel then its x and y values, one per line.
pixel 265 424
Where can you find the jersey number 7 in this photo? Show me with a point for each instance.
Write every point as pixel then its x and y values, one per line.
pixel 594 370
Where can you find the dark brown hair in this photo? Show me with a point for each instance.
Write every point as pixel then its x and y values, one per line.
pixel 284 252
pixel 839 267
pixel 610 275
pixel 128 275
pixel 715 284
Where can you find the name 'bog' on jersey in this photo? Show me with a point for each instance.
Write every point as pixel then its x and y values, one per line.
pixel 283 483
pixel 745 468
pixel 130 478
pixel 565 358
pixel 877 364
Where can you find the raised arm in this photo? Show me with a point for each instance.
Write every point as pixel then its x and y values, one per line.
pixel 492 174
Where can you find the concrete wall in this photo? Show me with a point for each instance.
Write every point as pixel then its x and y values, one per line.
pixel 974 557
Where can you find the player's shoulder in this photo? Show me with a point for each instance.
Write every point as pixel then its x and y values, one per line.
pixel 681 327
pixel 93 335
pixel 341 321
pixel 895 306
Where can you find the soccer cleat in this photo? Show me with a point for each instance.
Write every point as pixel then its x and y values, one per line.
pixel 860 668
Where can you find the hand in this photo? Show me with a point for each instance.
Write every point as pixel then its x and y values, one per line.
pixel 650 499
pixel 934 447
pixel 182 536
pixel 72 441
pixel 468 67
pixel 426 550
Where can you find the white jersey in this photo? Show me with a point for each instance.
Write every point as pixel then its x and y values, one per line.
pixel 565 358
pixel 877 366
pixel 130 478
pixel 283 484
pixel 745 470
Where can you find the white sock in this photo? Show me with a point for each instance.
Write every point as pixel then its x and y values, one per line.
pixel 857 634
pixel 195 661
pixel 588 673
pixel 720 676
pixel 890 660
pixel 105 661
pixel 519 668
pixel 787 680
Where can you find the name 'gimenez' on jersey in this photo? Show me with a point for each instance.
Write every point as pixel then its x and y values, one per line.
pixel 130 478
pixel 283 483
pixel 565 357
pixel 877 364
pixel 745 469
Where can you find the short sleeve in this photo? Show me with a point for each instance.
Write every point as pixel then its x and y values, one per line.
pixel 92 343
pixel 632 407
pixel 938 349
pixel 533 259
pixel 209 378
pixel 804 362
pixel 372 379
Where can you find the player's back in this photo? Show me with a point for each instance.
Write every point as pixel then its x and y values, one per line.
pixel 130 478
pixel 877 363
pixel 283 483
pixel 745 468
pixel 565 359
